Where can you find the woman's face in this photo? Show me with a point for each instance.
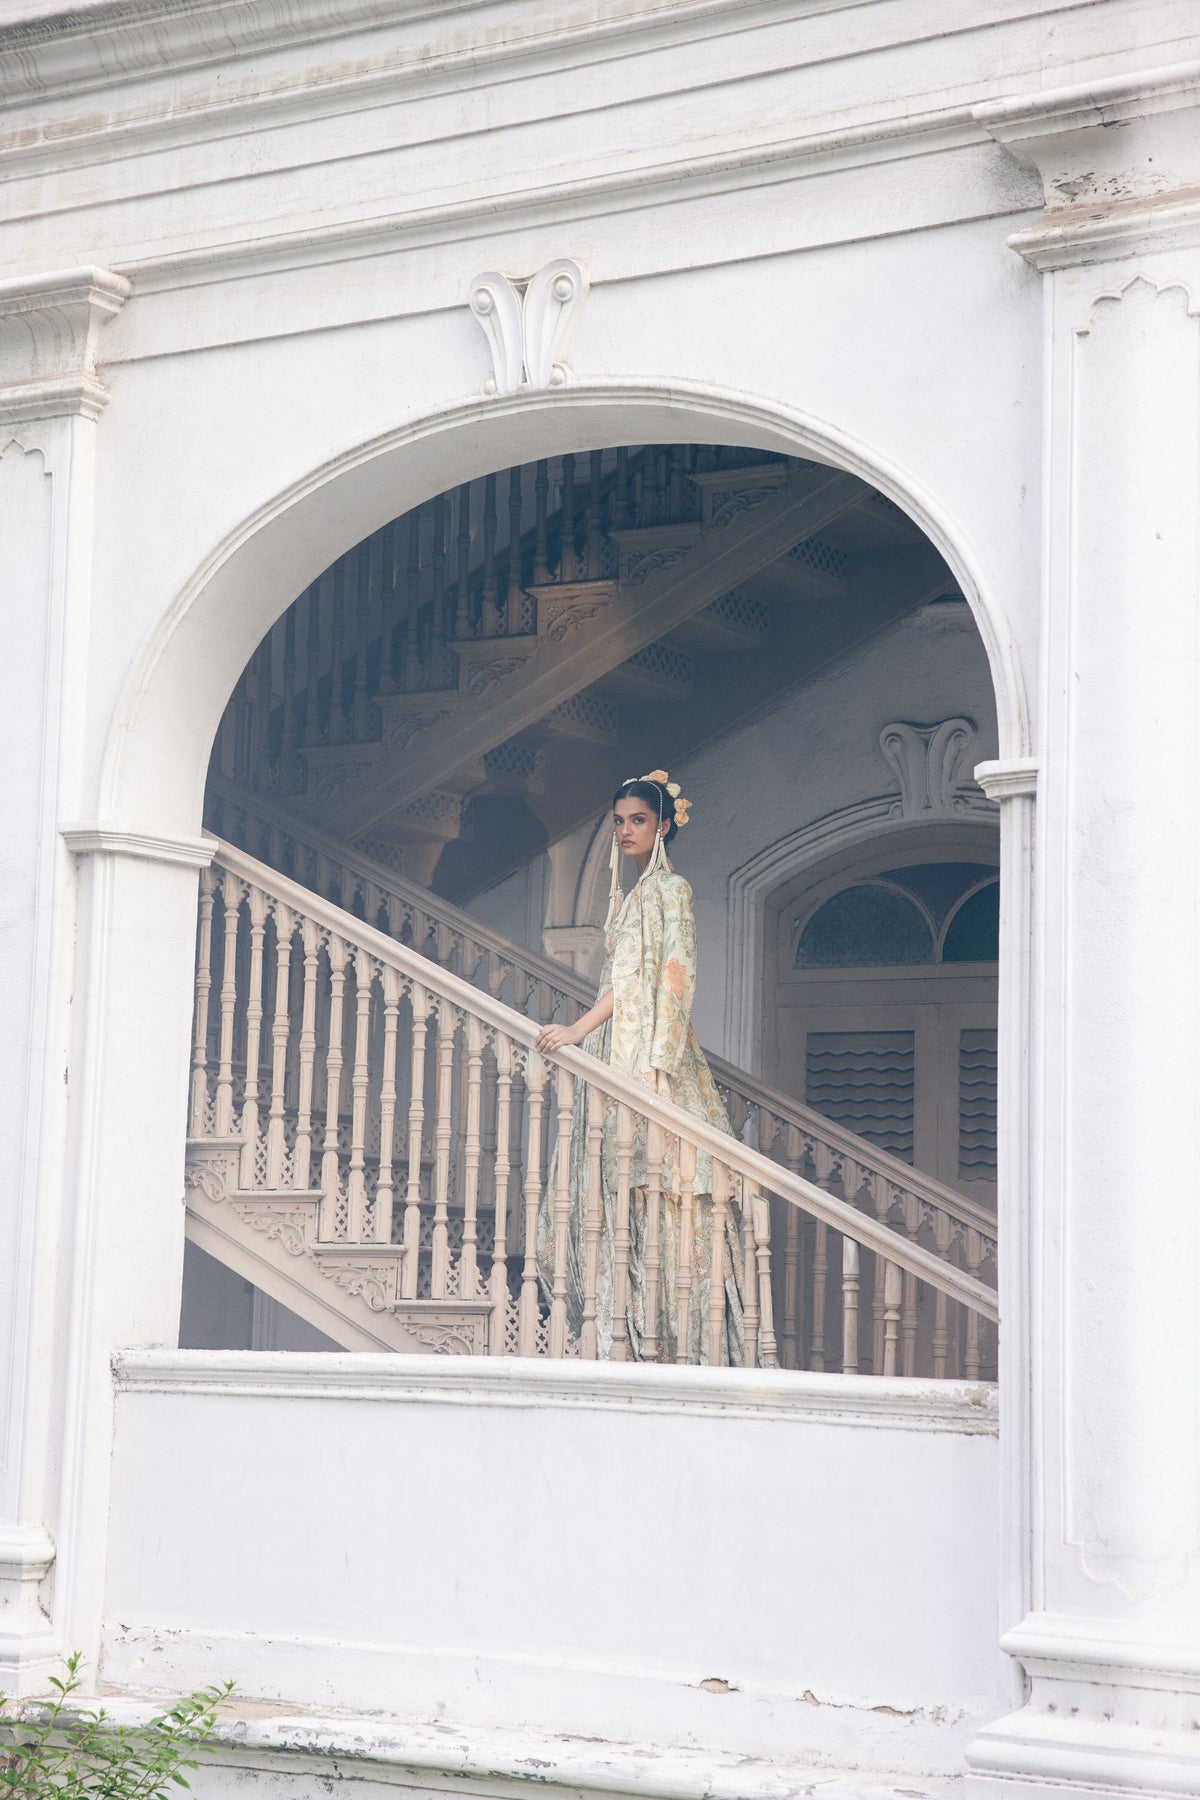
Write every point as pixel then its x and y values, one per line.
pixel 636 825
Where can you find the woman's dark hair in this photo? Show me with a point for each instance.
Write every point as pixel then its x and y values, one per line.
pixel 654 795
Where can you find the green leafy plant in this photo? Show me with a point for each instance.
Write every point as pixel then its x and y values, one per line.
pixel 53 1750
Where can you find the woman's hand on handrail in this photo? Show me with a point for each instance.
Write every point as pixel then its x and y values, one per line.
pixel 553 1037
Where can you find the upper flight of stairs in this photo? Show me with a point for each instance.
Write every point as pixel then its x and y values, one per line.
pixel 479 673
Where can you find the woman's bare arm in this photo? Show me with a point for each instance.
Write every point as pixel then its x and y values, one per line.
pixel 553 1037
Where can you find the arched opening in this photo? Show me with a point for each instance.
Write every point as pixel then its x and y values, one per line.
pixel 418 642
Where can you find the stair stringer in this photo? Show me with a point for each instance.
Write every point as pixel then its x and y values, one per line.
pixel 268 1239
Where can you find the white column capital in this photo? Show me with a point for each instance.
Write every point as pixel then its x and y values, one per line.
pixel 1119 163
pixel 49 331
pixel 147 846
pixel 1013 779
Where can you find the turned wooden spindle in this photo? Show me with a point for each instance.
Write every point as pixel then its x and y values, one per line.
pixel 338 953
pixel 760 1213
pixel 893 1289
pixel 621 1235
pixel 310 939
pixel 588 1342
pixel 280 1030
pixel 722 1187
pixel 231 893
pixel 256 907
pixel 527 1321
pixel 850 1279
pixel 686 1156
pixel 421 1007
pixel 564 1086
pixel 443 1137
pixel 385 1186
pixel 655 1150
pixel 356 1180
pixel 468 1268
pixel 502 1176
pixel 751 1313
pixel 199 1086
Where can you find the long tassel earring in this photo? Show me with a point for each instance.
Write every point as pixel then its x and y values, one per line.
pixel 614 884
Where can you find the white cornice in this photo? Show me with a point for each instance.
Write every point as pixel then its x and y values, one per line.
pixel 862 1400
pixel 147 846
pixel 1015 779
pixel 72 51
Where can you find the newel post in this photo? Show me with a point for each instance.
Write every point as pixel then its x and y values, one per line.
pixel 51 399
pixel 1102 1337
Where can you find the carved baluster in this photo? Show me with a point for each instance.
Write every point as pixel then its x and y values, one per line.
pixel 974 1248
pixel 338 953
pixel 791 1258
pixel 849 1306
pixel 619 503
pixel 231 889
pixel 893 1289
pixel 468 1275
pixel 564 1087
pixel 567 570
pixel 686 1250
pixel 489 622
pixel 882 1196
pixel 823 1171
pixel 280 1030
pixel 416 1125
pixel 588 1340
pixel 443 1135
pixel 749 1279
pixel 502 1179
pixel 760 1213
pixel 462 590
pixel 412 605
pixel 594 552
pixel 722 1186
pixel 199 1096
pixel 256 906
pixel 535 1085
pixel 541 489
pixel 310 938
pixel 356 1184
pixel 437 647
pixel 514 603
pixel 912 1221
pixel 385 1185
pixel 621 1235
pixel 655 1149
pixel 943 1241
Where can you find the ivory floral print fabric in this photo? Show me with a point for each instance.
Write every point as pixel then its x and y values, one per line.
pixel 650 965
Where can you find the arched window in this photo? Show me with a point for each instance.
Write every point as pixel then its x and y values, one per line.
pixel 868 926
pixel 973 934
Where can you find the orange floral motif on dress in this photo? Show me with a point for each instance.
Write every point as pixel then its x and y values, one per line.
pixel 675 978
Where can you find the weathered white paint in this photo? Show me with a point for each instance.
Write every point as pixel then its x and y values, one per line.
pixel 424 1535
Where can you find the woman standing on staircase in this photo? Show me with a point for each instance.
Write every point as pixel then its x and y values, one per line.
pixel 641 1024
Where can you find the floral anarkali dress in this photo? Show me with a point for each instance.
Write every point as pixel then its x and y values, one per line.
pixel 650 965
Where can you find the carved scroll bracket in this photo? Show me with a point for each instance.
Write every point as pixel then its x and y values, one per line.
pixel 929 761
pixel 526 323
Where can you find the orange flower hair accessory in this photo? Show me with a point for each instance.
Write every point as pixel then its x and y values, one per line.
pixel 663 780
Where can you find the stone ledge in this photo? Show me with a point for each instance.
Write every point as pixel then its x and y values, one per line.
pixel 962 1407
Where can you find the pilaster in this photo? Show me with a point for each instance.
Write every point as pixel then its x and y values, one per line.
pixel 51 398
pixel 1103 1452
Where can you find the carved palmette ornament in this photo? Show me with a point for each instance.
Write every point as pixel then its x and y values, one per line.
pixel 525 324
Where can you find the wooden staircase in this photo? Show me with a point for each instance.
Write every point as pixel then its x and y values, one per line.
pixel 291 1207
